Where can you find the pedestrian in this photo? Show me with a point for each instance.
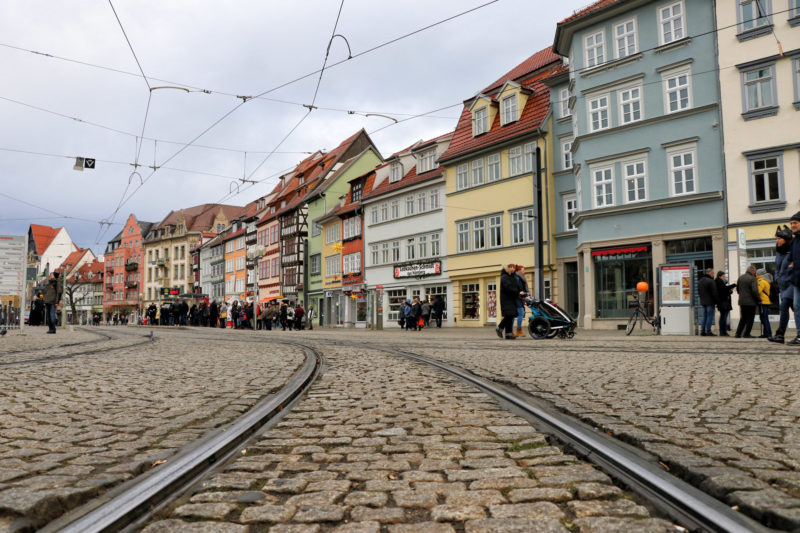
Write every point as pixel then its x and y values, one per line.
pixel 284 315
pixel 707 288
pixel 783 246
pixel 426 312
pixel 416 314
pixel 310 316
pixel 794 266
pixel 52 295
pixel 522 284
pixel 509 294
pixel 764 284
pixel 747 287
pixel 408 318
pixel 268 315
pixel 724 306
pixel 299 313
pixel 213 314
pixel 401 319
pixel 223 315
pixel 438 310
pixel 290 316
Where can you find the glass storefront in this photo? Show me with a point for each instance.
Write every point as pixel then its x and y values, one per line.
pixel 617 271
pixel 470 301
pixel 491 302
pixel 395 299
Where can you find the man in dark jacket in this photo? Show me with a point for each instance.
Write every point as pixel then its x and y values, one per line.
pixel 747 286
pixel 783 245
pixel 723 302
pixel 438 309
pixel 708 299
pixel 794 272
pixel 509 293
pixel 52 295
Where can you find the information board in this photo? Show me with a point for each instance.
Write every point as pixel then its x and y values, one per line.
pixel 676 285
pixel 13 249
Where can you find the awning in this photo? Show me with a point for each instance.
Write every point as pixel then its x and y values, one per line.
pixel 622 250
pixel 269 299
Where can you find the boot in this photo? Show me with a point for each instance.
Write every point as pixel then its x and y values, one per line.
pixel 519 333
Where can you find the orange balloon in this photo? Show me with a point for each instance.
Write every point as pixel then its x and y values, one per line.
pixel 642 286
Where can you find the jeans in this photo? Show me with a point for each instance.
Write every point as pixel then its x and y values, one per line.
pixel 51 316
pixel 796 308
pixel 520 316
pixel 786 304
pixel 708 318
pixel 723 322
pixel 766 328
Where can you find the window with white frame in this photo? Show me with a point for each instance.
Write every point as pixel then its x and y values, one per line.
pixel 333 233
pixel 492 168
pixel 239 244
pixel 594 46
pixel 422 201
pixel 228 265
pixel 229 285
pixel 566 153
pixel 434 198
pixel 411 249
pixel 351 263
pixel 240 284
pixel 759 87
pixel 796 77
pixel 385 253
pixel 630 105
pixel 435 245
pixel 765 178
pixel 753 14
pixel 333 265
pixel 315 264
pixel 677 90
pixel 683 170
pixel 479 234
pixel 598 113
pixel 476 167
pixel 351 227
pixel 396 171
pixel 384 212
pixel 427 161
pixel 515 160
pixel 462 176
pixel 563 102
pixel 409 205
pixel 275 272
pixel 634 174
pixel 625 38
pixel 570 209
pixel 422 246
pixel 373 214
pixel 228 247
pixel 522 224
pixel 509 107
pixel 603 183
pixel 463 236
pixel 795 5
pixel 355 192
pixel 480 120
pixel 240 263
pixel 495 231
pixel 395 209
pixel 672 23
pixel 528 155
pixel 395 251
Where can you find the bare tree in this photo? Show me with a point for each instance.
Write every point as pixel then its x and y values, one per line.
pixel 72 292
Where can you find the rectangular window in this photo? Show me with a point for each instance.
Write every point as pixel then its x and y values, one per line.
pixel 615 279
pixel 625 38
pixel 395 251
pixel 528 154
pixel 397 173
pixel 229 265
pixel 434 197
pixel 765 177
pixel 422 246
pixel 228 247
pixel 598 113
pixel 796 77
pixel 595 51
pixel 635 181
pixel 422 200
pixel 509 109
pixel 385 253
pixel 477 172
pixel 566 154
pixel 395 209
pixel 239 244
pixel 603 187
pixel 515 164
pixel 240 263
pixel 462 176
pixel 495 231
pixel 480 121
pixel 522 226
pixel 470 296
pixel 672 23
pixel 315 265
pixel 630 105
pixel 374 254
pixel 759 87
pixel 410 250
pixel 493 167
pixel 682 170
pixel 563 102
pixel 795 12
pixel 677 92
pixel 385 212
pixel 355 192
pixel 435 249
pixel 275 271
pixel 427 161
pixel 333 233
pixel 752 14
pixel 409 205
pixel 479 234
pixel 351 263
pixel 373 214
pixel 463 236
pixel 333 265
pixel 570 209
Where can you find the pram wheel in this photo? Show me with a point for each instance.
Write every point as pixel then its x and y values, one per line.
pixel 553 332
pixel 570 334
pixel 538 327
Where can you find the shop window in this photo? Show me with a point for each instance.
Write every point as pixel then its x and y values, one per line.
pixel 470 301
pixel 395 299
pixel 616 274
pixel 491 301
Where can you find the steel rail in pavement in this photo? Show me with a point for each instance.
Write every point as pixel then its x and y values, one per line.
pixel 129 502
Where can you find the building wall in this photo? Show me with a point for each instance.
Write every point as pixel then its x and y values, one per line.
pixel 269 287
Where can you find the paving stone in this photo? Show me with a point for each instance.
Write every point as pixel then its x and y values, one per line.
pixel 364 498
pixel 178 526
pixel 515 525
pixel 620 508
pixel 295 528
pixel 457 513
pixel 233 497
pixel 358 527
pixel 386 515
pixel 526 510
pixel 475 497
pixel 504 483
pixel 622 525
pixel 422 527
pixel 286 485
pixel 596 491
pixel 267 513
pixel 319 513
pixel 209 511
pixel 540 494
pixel 327 497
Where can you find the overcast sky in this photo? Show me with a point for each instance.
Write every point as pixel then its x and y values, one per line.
pixel 239 48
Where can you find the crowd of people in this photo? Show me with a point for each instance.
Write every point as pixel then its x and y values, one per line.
pixel 513 292
pixel 237 315
pixel 416 314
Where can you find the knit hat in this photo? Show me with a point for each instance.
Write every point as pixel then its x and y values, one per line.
pixel 761 271
pixel 796 216
pixel 784 233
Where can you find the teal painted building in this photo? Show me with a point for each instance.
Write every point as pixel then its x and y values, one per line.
pixel 642 97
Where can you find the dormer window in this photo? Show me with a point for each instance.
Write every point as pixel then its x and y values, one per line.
pixel 355 195
pixel 480 121
pixel 427 161
pixel 283 204
pixel 397 172
pixel 510 109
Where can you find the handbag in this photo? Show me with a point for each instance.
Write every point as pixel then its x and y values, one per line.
pixel 420 322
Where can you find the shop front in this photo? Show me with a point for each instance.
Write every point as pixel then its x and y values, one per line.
pixel 418 279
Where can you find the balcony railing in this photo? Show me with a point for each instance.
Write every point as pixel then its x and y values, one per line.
pixel 131 284
pixel 131 265
pixel 162 261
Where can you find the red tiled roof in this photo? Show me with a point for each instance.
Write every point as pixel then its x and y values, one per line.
pixel 349 205
pixel 43 236
pixel 588 9
pixel 411 178
pixel 538 60
pixel 234 234
pixel 531 116
pixel 200 217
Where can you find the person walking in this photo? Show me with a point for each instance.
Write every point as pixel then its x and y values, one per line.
pixel 299 313
pixel 52 295
pixel 522 284
pixel 723 302
pixel 310 316
pixel 747 287
pixel 509 294
pixel 783 246
pixel 438 310
pixel 794 266
pixel 708 299
pixel 284 315
pixel 426 312
pixel 416 312
pixel 764 286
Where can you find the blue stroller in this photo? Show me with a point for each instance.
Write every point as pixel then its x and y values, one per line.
pixel 548 320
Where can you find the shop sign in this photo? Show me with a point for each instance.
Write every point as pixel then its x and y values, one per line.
pixel 416 270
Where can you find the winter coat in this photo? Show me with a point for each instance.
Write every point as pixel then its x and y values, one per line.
pixel 763 290
pixel 438 306
pixel 407 309
pixel 747 285
pixel 522 286
pixel 426 309
pixel 299 311
pixel 724 294
pixel 708 291
pixel 794 259
pixel 783 273
pixel 509 293
pixel 52 293
pixel 416 311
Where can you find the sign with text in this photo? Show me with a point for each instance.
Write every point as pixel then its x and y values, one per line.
pixel 676 284
pixel 415 270
pixel 13 249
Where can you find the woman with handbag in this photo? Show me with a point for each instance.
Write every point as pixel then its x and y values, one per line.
pixel 724 305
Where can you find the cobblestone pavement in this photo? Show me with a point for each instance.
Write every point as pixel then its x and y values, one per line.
pixel 71 428
pixel 381 444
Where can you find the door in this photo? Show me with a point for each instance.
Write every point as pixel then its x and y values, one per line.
pixel 571 298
